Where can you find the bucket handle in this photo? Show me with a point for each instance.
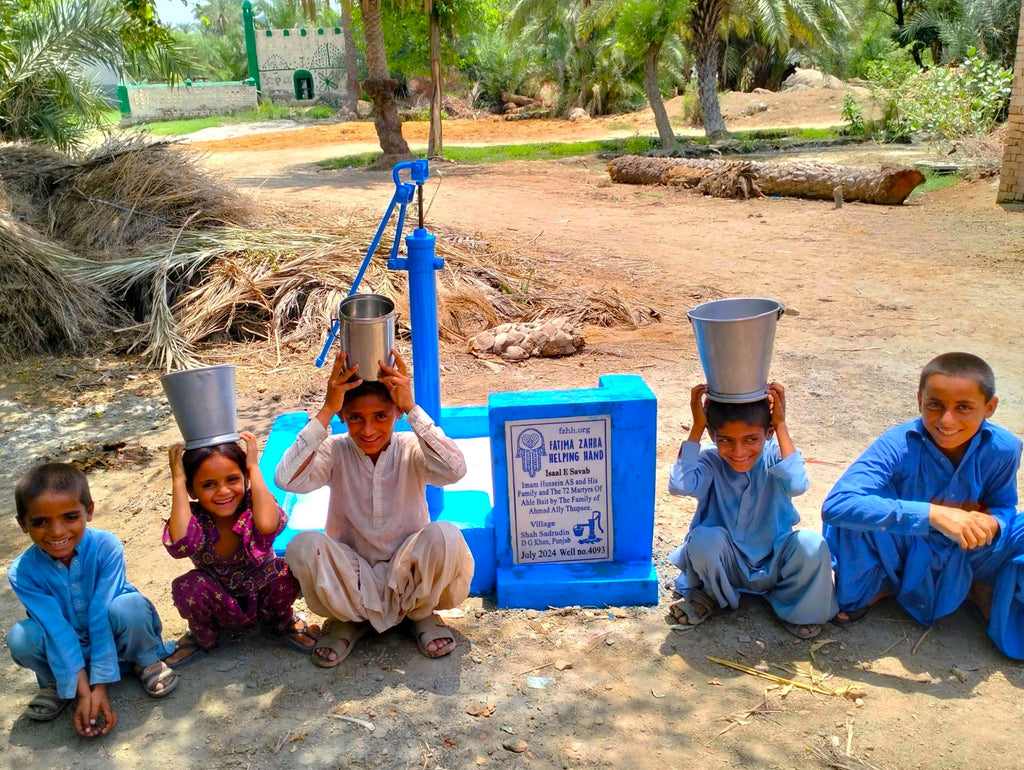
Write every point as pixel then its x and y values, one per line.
pixel 779 313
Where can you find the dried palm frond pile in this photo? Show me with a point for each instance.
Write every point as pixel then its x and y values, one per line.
pixel 239 284
pixel 131 192
pixel 30 174
pixel 43 307
pixel 141 232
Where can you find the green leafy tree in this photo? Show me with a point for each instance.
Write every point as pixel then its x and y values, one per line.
pixel 45 97
pixel 779 22
pixel 581 52
pixel 646 24
pixel 953 29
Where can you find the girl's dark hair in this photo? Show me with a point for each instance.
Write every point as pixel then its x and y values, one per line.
pixel 756 413
pixel 368 388
pixel 193 458
pixel 50 477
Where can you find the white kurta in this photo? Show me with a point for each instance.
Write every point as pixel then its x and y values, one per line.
pixel 380 558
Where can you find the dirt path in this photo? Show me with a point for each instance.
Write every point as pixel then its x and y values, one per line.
pixel 873 293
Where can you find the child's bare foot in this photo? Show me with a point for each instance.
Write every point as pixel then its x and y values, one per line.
pixel 981 596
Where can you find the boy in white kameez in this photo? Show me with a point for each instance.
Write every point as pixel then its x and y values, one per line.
pixel 741 539
pixel 380 559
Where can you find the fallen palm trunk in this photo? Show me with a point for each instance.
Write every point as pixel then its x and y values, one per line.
pixel 889 185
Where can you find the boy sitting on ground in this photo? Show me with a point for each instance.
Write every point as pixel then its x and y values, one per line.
pixel 741 538
pixel 379 559
pixel 928 511
pixel 85 620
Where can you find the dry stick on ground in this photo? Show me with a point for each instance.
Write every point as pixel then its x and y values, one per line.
pixel 772 677
pixel 832 757
pixel 926 632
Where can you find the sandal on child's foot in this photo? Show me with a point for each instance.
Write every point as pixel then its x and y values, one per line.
pixel 158 679
pixel 433 629
pixel 293 635
pixel 186 652
pixel 338 637
pixel 46 706
pixel 851 617
pixel 803 630
pixel 694 608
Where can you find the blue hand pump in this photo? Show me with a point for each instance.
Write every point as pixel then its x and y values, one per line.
pixel 421 263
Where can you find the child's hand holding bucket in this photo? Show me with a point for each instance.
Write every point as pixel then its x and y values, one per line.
pixel 398 382
pixel 339 382
pixel 777 403
pixel 700 420
pixel 252 451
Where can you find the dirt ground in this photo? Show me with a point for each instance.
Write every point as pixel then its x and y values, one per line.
pixel 872 292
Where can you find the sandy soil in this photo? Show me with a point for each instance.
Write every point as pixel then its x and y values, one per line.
pixel 873 293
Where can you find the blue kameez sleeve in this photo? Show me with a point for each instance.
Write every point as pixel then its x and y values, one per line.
pixel 692 473
pixel 1000 495
pixel 864 497
pixel 110 580
pixel 63 650
pixel 790 473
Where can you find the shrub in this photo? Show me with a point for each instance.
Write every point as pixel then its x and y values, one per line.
pixel 944 102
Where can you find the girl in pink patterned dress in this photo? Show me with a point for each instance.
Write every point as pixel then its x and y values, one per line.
pixel 228 531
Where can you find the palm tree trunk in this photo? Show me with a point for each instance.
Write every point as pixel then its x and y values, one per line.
pixel 351 60
pixel 381 87
pixel 889 185
pixel 705 19
pixel 665 132
pixel 435 147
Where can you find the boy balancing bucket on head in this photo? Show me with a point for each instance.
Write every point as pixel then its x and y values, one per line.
pixel 734 341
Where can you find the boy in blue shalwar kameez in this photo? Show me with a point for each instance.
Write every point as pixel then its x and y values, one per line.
pixel 928 512
pixel 85 620
pixel 741 539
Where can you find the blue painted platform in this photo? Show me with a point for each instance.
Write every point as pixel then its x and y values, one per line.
pixel 630 578
pixel 479 503
pixel 468 503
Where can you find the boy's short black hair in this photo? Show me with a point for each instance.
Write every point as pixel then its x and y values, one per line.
pixel 368 388
pixel 50 477
pixel 965 365
pixel 193 458
pixel 756 413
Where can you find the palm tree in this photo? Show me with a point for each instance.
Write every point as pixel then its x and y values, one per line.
pixel 44 96
pixel 351 60
pixel 778 21
pixel 381 87
pixel 650 23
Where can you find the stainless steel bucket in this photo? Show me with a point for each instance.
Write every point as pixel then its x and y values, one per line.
pixel 367 332
pixel 204 406
pixel 734 340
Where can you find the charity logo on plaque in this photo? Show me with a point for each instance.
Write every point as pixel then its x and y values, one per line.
pixel 558 475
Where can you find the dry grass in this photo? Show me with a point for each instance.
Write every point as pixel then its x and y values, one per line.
pixel 129 193
pixel 142 232
pixel 43 307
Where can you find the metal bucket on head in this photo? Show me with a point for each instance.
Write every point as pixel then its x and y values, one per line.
pixel 204 406
pixel 367 332
pixel 734 341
